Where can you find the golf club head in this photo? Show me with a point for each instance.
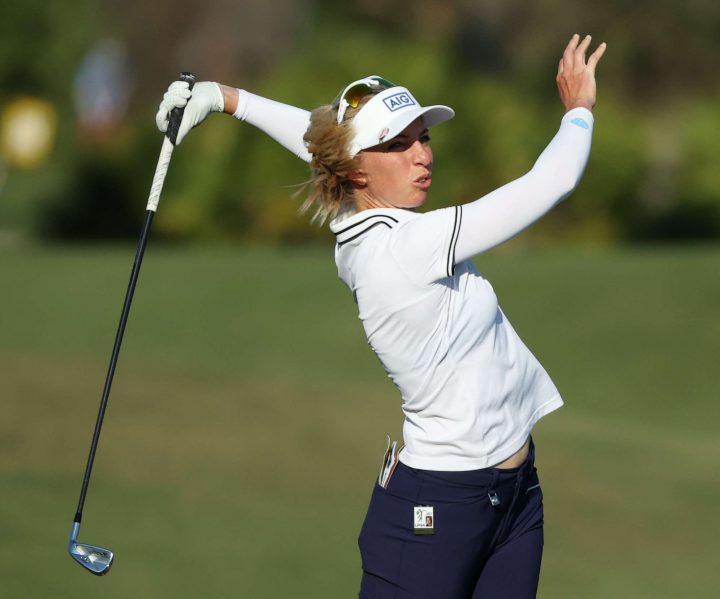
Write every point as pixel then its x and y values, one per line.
pixel 97 560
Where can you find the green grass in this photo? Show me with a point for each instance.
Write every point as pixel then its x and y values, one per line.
pixel 248 417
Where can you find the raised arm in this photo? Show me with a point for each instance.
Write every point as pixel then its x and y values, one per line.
pixel 502 214
pixel 284 123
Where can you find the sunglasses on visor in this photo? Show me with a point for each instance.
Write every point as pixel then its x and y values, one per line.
pixel 351 96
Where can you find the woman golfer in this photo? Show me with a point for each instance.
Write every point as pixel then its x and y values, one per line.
pixel 457 512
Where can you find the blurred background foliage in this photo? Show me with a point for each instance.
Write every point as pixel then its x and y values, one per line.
pixel 80 81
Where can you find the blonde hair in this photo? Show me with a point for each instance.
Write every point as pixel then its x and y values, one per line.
pixel 330 189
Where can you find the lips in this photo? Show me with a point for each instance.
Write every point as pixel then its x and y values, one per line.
pixel 424 181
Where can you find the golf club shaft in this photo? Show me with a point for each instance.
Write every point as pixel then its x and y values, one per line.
pixel 114 358
pixel 158 180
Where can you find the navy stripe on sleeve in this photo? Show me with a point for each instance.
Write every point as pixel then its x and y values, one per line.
pixel 453 241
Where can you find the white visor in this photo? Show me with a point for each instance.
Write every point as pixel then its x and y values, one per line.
pixel 387 114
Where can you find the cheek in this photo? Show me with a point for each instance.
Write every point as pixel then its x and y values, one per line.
pixel 381 173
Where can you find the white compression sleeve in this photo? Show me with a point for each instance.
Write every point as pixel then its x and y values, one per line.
pixel 505 212
pixel 284 123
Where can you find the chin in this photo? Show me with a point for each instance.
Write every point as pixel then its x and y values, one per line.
pixel 417 202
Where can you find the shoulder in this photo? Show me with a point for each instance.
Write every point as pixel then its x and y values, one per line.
pixel 422 245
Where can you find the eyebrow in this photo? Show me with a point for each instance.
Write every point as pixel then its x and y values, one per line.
pixel 406 136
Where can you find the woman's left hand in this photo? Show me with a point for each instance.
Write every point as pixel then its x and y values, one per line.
pixel 576 77
pixel 205 97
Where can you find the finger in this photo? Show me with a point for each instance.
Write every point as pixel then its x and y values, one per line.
pixel 560 68
pixel 192 116
pixel 568 54
pixel 171 99
pixel 582 48
pixel 180 135
pixel 185 126
pixel 596 56
pixel 161 119
pixel 179 85
pixel 573 43
pixel 177 97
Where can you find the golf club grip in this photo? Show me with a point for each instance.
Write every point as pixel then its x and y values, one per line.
pixel 177 113
pixel 159 176
pixel 167 149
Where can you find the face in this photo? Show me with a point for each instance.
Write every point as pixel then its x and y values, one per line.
pixel 396 173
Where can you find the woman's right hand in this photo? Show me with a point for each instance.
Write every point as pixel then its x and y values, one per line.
pixel 575 77
pixel 205 97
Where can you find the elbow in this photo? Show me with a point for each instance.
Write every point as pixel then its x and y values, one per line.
pixel 567 183
pixel 555 185
pixel 567 179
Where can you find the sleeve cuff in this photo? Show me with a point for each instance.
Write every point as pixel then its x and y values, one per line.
pixel 582 117
pixel 242 105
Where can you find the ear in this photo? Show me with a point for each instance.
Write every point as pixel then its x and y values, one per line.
pixel 358 178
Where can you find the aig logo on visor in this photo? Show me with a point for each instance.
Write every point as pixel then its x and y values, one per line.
pixel 399 100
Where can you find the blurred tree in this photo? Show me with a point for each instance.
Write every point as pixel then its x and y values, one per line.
pixel 681 198
pixel 652 172
pixel 37 56
pixel 221 40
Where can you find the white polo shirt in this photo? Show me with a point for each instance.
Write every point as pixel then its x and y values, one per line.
pixel 471 390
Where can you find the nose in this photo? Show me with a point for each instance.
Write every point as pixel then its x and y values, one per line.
pixel 422 153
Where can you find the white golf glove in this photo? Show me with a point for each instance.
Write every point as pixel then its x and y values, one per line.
pixel 204 98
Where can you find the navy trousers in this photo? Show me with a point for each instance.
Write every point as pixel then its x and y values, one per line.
pixel 486 538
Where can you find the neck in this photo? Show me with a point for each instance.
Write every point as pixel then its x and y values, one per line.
pixel 366 201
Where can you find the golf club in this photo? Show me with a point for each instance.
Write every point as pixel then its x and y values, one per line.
pixel 98 560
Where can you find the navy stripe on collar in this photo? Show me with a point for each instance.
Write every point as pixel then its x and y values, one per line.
pixel 358 228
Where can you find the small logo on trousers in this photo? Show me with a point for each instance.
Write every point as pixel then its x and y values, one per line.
pixel 424 520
